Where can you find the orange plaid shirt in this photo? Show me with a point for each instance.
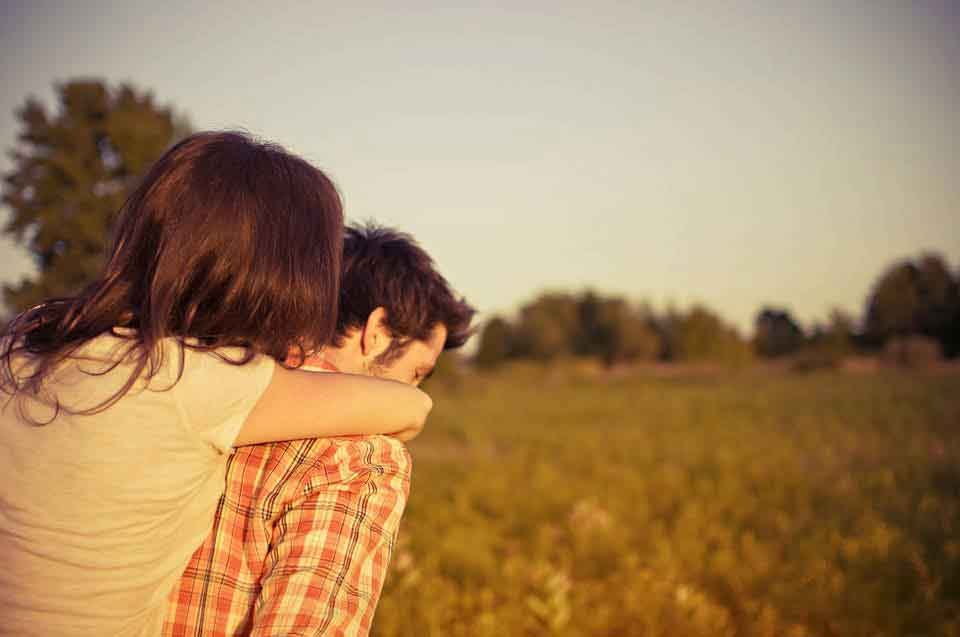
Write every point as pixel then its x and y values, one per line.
pixel 300 543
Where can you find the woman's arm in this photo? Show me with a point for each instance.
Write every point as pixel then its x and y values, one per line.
pixel 299 404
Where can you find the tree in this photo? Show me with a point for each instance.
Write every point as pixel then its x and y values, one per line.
pixel 73 169
pixel 701 335
pixel 613 331
pixel 548 327
pixel 495 343
pixel 894 304
pixel 632 334
pixel 951 342
pixel 591 335
pixel 587 324
pixel 828 344
pixel 838 336
pixel 914 298
pixel 939 294
pixel 776 333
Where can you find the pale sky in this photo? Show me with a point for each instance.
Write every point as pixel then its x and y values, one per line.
pixel 732 153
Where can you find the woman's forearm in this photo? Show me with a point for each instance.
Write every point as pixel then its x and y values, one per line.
pixel 299 404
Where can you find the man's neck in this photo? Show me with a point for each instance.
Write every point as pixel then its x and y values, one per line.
pixel 318 364
pixel 347 357
pixel 335 359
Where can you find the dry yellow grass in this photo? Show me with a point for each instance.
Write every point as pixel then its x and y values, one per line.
pixel 574 504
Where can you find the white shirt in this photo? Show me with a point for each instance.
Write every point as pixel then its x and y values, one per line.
pixel 99 514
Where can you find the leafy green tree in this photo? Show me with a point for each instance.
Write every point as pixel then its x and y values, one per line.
pixel 701 335
pixel 73 169
pixel 548 327
pixel 939 293
pixel 495 343
pixel 951 342
pixel 919 297
pixel 633 335
pixel 776 333
pixel 838 335
pixel 894 304
pixel 614 331
pixel 829 344
pixel 559 324
pixel 591 335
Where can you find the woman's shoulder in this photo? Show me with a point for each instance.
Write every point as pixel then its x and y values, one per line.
pixel 171 359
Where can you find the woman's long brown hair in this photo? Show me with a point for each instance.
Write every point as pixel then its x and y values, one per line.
pixel 227 241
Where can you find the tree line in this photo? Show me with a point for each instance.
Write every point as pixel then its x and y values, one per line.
pixel 912 301
pixel 609 328
pixel 75 164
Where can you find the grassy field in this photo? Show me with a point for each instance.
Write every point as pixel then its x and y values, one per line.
pixel 751 503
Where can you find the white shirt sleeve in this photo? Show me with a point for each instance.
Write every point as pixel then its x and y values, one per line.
pixel 215 396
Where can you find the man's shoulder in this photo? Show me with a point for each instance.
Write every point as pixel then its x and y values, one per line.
pixel 323 461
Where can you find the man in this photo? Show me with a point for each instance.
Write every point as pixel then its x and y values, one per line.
pixel 304 532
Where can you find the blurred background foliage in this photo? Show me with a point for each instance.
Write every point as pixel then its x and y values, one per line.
pixel 73 169
pixel 913 307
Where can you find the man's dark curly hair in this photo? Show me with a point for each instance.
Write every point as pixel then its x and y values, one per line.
pixel 384 267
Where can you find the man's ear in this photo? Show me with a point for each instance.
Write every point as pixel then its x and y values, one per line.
pixel 375 338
